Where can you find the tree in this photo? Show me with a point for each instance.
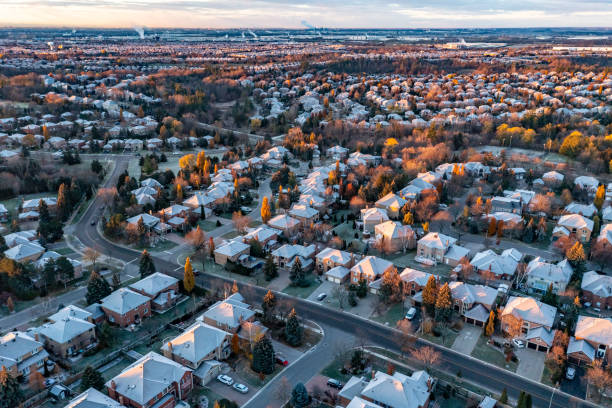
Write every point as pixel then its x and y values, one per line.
pixel 63 202
pixel 188 276
pixel 430 293
pixel 444 303
pixel 270 269
pixel 196 238
pixel 105 336
pixel 146 265
pixel 37 381
pixel 598 377
pixel 549 297
pixel 10 305
pixel 427 355
pixel 266 213
pixel 297 275
pixel 263 356
pixel 294 332
pixel 10 393
pixel 299 396
pixel 490 327
pixel 596 225
pixel 572 144
pixel 503 399
pixel 92 379
pixel 340 294
pixel 600 197
pixel 601 252
pixel 97 288
pixel 235 344
pixel 116 280
pixel 240 222
pixel 391 287
pixel 91 255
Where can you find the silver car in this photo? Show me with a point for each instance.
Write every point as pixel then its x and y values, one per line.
pixel 241 388
pixel 225 379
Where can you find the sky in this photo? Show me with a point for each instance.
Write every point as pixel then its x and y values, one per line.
pixel 320 13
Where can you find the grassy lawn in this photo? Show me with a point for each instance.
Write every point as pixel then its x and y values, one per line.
pixel 301 292
pixel 484 352
pixel 446 341
pixel 116 369
pixel 230 235
pixel 206 225
pixel 452 402
pixel 12 204
pixel 243 370
pixel 209 266
pixel 208 393
pixel 64 251
pixel 406 260
pixel 156 343
pixel 393 314
pixel 333 369
pixel 546 377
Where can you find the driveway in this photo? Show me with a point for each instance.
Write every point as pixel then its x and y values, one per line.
pixel 325 287
pixel 467 339
pixel 230 393
pixel 531 363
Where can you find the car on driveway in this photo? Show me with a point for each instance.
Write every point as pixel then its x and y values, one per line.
pixel 225 379
pixel 334 383
pixel 518 343
pixel 241 388
pixel 321 296
pixel 570 373
pixel 411 313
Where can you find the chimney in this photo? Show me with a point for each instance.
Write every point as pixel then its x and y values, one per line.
pixel 121 400
pixel 36 336
pixel 429 384
pixel 113 385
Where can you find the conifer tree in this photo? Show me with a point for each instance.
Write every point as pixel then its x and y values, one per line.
pixel 294 333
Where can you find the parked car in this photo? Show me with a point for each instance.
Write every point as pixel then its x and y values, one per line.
pixel 334 383
pixel 225 379
pixel 49 382
pixel 518 343
pixel 411 313
pixel 321 296
pixel 241 388
pixel 280 359
pixel 570 373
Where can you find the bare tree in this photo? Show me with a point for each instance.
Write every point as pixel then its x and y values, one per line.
pixel 91 255
pixel 340 294
pixel 598 377
pixel 240 222
pixel 428 356
pixel 107 195
pixel 283 391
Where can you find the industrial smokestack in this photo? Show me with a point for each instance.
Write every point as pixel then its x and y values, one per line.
pixel 140 31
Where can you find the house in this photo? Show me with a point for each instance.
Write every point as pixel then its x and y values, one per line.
pixel 388 391
pixel 597 290
pixel 163 290
pixel 305 214
pixel 93 398
pixel 26 252
pixel 151 381
pixel 587 183
pixel 372 217
pixel 125 307
pixel 526 313
pixel 473 302
pixel 337 152
pixel 32 205
pixel 198 200
pixel 149 221
pixel 283 222
pixel 415 280
pixel 507 204
pixel 580 352
pixel 542 274
pixel 338 274
pixel 576 224
pixel 597 332
pixel 22 354
pixel 553 177
pixel 68 335
pixel 395 236
pixel 228 314
pixel 330 258
pixel 392 204
pixel 582 209
pixel 285 256
pixel 198 343
pixel 263 234
pixel 501 266
pixel 436 247
pixel 231 251
pixel 370 269
pixel 52 255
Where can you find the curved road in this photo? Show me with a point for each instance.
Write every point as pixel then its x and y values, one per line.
pixel 488 376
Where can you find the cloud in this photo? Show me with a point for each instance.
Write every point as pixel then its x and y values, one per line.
pixel 321 13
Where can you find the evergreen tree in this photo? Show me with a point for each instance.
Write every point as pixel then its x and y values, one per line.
pixel 503 399
pixel 188 276
pixel 297 276
pixel 263 357
pixel 528 232
pixel 270 269
pixel 299 396
pixel 269 306
pixel 490 326
pixel 116 280
pixel 444 303
pixel 521 400
pixel 294 333
pixel 550 298
pixel 3 246
pixel 92 379
pixel 97 288
pixel 596 225
pixel 146 266
pixel 362 288
pixel 10 393
pixel 430 293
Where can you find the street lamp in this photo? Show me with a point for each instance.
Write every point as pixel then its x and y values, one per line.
pixel 553 394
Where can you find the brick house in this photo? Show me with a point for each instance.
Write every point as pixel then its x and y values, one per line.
pixel 124 307
pixel 163 290
pixel 597 290
pixel 153 380
pixel 22 354
pixel 198 343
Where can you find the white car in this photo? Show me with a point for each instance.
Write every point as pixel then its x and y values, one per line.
pixel 411 313
pixel 321 296
pixel 518 343
pixel 570 373
pixel 225 379
pixel 241 388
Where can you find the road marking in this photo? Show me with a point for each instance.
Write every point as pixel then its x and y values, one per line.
pixel 131 261
pixel 168 252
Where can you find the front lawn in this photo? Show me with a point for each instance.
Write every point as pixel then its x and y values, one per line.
pixel 392 315
pixel 207 225
pixel 487 353
pixel 302 292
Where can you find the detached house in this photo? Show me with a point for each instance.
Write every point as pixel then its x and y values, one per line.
pixel 283 222
pixel 435 247
pixel 473 302
pixel 395 236
pixel 285 256
pixel 370 268
pixel 576 224
pixel 125 307
pixel 231 251
pixel 163 290
pixel 501 266
pixel 198 343
pixel 392 204
pixel 330 258
pixel 597 289
pixel 22 354
pixel 151 381
pixel 522 315
pixel 228 314
pixel 372 217
pixel 70 331
pixel 597 333
pixel 542 274
pixel 93 398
